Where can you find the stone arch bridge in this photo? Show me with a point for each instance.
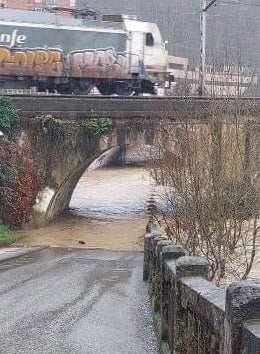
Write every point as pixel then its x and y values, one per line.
pixel 61 159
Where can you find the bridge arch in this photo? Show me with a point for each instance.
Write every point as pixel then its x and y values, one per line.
pixel 55 201
pixel 117 155
pixel 60 164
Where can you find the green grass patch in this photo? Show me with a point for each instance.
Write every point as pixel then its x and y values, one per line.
pixel 6 236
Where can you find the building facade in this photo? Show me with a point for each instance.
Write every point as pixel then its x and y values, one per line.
pixel 36 4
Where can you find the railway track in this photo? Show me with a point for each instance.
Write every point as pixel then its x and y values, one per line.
pixel 144 98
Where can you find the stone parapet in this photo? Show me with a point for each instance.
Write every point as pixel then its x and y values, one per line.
pixel 174 108
pixel 191 314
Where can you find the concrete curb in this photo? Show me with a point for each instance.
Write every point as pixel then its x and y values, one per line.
pixel 16 252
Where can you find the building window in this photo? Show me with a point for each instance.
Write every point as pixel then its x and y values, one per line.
pixel 176 66
pixel 149 40
pixel 49 3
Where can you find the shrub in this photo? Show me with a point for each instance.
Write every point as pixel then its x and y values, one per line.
pixel 18 184
pixel 6 236
pixel 8 114
pixel 97 125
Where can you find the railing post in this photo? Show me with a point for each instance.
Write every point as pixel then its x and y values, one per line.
pixel 168 253
pixel 157 288
pixel 242 304
pixel 185 267
pixel 153 263
pixel 151 226
pixel 147 252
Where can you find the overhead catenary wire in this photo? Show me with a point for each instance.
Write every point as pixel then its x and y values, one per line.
pixel 238 3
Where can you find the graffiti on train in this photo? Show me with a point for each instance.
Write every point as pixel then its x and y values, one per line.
pixel 47 62
pixel 98 63
pixel 54 62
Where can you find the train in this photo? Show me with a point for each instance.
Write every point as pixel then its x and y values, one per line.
pixel 117 54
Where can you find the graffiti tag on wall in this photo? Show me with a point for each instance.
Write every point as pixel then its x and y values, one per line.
pixel 52 62
pixel 98 63
pixel 46 62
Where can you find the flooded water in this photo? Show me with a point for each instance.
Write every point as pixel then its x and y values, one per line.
pixel 108 210
pixel 111 194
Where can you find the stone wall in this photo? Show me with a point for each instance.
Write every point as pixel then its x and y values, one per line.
pixel 191 314
pixel 56 155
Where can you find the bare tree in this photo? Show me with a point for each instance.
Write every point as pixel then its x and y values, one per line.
pixel 210 177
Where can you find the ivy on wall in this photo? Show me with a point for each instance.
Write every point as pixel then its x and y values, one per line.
pixel 8 114
pixel 18 184
pixel 24 166
pixel 64 136
pixel 18 188
pixel 97 125
pixel 56 130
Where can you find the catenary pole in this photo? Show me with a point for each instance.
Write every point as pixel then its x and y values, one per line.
pixel 205 6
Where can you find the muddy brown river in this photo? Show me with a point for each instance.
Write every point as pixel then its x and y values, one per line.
pixel 107 210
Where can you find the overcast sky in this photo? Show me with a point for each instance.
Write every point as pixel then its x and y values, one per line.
pixel 233 26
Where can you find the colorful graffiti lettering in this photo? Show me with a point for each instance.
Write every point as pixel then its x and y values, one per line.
pixel 46 62
pixel 52 62
pixel 98 63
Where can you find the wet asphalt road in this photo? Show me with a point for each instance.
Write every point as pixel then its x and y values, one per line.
pixel 63 301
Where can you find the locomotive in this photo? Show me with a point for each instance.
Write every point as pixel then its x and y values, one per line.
pixel 115 53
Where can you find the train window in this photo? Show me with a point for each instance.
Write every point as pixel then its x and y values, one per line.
pixel 149 40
